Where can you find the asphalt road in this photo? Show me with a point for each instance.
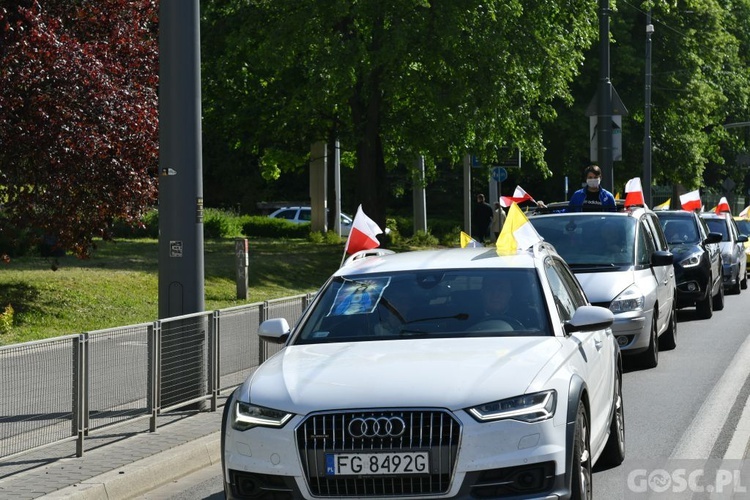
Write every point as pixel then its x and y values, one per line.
pixel 677 415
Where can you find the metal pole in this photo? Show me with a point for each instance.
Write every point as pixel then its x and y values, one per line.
pixel 647 117
pixel 604 119
pixel 181 283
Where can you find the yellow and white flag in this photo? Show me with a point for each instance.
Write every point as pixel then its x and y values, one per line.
pixel 517 233
pixel 468 241
pixel 664 206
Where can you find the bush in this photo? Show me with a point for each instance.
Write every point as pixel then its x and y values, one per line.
pixel 221 224
pixel 6 320
pixel 422 239
pixel 274 228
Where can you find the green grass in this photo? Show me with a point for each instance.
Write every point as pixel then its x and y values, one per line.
pixel 119 284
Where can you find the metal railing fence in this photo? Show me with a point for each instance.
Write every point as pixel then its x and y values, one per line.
pixel 63 389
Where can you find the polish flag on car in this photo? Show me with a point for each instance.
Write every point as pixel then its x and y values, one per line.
pixel 723 206
pixel 519 195
pixel 364 233
pixel 634 192
pixel 691 200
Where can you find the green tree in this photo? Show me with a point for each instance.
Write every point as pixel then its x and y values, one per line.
pixel 78 116
pixel 700 82
pixel 391 79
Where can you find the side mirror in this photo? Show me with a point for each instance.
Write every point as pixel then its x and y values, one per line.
pixel 713 238
pixel 662 258
pixel 742 238
pixel 275 331
pixel 589 318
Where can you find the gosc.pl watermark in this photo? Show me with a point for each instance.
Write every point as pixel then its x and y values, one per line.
pixel 693 479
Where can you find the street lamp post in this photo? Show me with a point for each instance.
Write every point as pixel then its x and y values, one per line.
pixel 647 116
pixel 604 118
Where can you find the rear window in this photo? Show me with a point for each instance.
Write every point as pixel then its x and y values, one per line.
pixel 594 240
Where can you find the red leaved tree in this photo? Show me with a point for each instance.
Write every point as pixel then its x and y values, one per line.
pixel 78 117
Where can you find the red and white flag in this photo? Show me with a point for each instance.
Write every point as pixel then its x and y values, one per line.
pixel 723 206
pixel 634 192
pixel 691 200
pixel 519 195
pixel 363 235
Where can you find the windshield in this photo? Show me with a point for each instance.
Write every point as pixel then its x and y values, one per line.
pixel 679 230
pixel 596 240
pixel 446 303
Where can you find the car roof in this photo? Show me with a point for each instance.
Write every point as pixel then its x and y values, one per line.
pixel 676 213
pixel 451 258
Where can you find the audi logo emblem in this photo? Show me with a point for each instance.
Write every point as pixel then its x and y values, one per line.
pixel 372 427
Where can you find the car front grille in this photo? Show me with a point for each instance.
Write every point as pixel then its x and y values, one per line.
pixel 434 431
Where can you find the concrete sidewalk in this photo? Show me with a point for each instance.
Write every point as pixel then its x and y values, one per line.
pixel 122 464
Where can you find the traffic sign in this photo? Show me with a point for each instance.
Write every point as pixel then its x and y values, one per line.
pixel 499 174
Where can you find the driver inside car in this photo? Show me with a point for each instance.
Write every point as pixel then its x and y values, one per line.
pixel 506 305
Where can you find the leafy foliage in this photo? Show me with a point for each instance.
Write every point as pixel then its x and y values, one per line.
pixel 78 116
pixel 392 80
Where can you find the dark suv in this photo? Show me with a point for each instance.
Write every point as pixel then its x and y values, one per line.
pixel 697 261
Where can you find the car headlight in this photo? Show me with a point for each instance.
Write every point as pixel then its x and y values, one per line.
pixel 527 408
pixel 691 261
pixel 246 416
pixel 631 299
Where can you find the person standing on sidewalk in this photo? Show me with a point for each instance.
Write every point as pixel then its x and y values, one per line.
pixel 482 219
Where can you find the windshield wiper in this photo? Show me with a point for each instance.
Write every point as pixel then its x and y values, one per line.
pixel 609 265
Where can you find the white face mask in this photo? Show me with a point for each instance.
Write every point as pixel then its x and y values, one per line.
pixel 593 183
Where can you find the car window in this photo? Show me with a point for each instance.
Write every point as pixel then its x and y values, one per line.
pixel 289 214
pixel 566 292
pixel 654 229
pixel 718 226
pixel 744 227
pixel 305 214
pixel 645 246
pixel 444 303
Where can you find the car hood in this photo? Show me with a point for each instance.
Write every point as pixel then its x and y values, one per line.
pixel 602 288
pixel 448 373
pixel 680 251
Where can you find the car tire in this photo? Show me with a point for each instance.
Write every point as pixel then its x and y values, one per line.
pixel 743 282
pixel 580 487
pixel 705 307
pixel 650 358
pixel 668 339
pixel 736 288
pixel 719 299
pixel 614 451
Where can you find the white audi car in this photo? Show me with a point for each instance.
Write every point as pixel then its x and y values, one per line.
pixel 434 374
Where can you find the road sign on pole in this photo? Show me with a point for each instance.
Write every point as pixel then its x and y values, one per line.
pixel 499 174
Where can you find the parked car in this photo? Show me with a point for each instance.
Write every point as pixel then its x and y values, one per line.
pixel 402 381
pixel 743 226
pixel 303 215
pixel 697 261
pixel 623 262
pixel 732 250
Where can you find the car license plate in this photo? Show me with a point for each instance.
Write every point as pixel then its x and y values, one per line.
pixel 358 464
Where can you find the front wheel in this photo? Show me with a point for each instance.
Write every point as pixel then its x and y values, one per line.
pixel 614 451
pixel 580 488
pixel 650 358
pixel 719 299
pixel 668 339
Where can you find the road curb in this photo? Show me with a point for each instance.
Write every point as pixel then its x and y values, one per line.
pixel 147 474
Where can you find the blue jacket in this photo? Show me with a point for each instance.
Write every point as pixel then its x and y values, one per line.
pixel 576 201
